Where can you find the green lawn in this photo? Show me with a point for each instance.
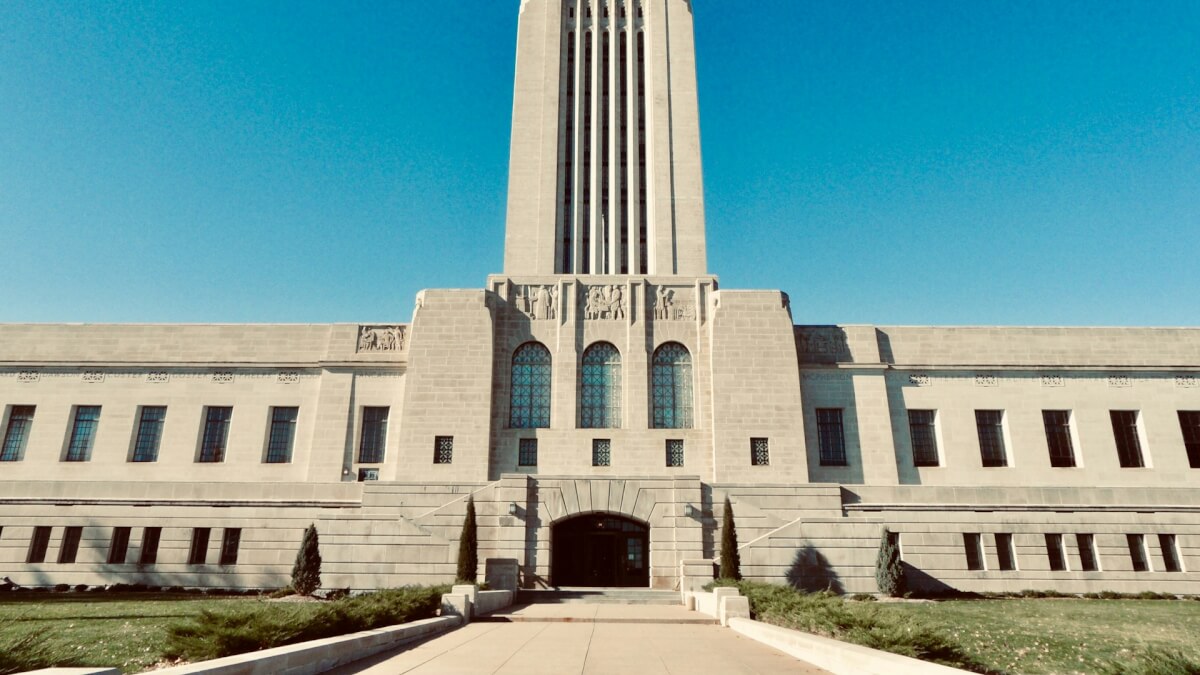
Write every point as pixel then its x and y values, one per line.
pixel 1062 636
pixel 126 631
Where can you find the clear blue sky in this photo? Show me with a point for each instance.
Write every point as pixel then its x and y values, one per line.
pixel 951 162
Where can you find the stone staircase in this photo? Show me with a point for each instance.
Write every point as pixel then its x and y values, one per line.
pixel 598 596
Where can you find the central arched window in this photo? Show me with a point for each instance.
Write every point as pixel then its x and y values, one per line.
pixel 600 388
pixel 530 405
pixel 671 381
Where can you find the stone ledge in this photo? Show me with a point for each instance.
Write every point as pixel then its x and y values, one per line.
pixel 318 656
pixel 839 658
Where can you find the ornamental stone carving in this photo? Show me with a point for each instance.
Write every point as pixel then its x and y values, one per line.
pixel 225 377
pixel 536 302
pixel 823 342
pixel 381 338
pixel 669 307
pixel 93 376
pixel 28 376
pixel 605 302
pixel 158 377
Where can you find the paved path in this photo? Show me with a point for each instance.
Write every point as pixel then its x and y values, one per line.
pixel 574 643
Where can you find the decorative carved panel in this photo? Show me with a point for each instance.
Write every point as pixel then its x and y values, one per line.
pixel 1053 381
pixel 919 380
pixel 222 378
pixel 93 376
pixel 381 338
pixel 158 377
pixel 28 376
pixel 1120 381
pixel 673 304
pixel 987 381
pixel 536 302
pixel 604 302
pixel 1186 381
pixel 289 377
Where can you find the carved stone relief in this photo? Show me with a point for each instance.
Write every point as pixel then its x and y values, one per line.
pixel 381 338
pixel 919 380
pixel 811 342
pixel 1186 381
pixel 223 378
pixel 668 306
pixel 289 377
pixel 987 381
pixel 158 377
pixel 536 302
pixel 1053 381
pixel 28 376
pixel 1120 381
pixel 93 376
pixel 605 302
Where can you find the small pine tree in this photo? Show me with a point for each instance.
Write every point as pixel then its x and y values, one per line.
pixel 468 547
pixel 889 571
pixel 731 561
pixel 306 573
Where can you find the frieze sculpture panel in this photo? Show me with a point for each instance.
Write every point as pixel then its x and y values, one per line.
pixel 158 377
pixel 223 377
pixel 605 302
pixel 668 306
pixel 811 342
pixel 380 338
pixel 93 376
pixel 1186 381
pixel 536 302
pixel 28 376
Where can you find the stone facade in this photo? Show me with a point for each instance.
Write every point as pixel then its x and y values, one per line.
pixel 821 436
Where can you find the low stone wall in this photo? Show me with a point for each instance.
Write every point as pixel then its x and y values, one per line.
pixel 318 656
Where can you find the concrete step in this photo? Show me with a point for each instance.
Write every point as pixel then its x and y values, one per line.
pixel 598 613
pixel 599 596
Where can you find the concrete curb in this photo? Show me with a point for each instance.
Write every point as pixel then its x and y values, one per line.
pixel 318 656
pixel 839 658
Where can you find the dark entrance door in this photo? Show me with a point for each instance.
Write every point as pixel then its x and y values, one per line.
pixel 600 550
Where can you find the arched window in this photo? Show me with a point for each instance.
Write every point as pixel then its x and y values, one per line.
pixel 671 381
pixel 530 405
pixel 600 388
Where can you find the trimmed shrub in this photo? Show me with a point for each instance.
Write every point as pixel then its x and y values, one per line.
pixel 889 571
pixel 306 573
pixel 468 547
pixel 215 634
pixel 731 561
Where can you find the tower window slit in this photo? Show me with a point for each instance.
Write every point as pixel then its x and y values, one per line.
pixel 568 211
pixel 623 74
pixel 643 226
pixel 586 206
pixel 606 154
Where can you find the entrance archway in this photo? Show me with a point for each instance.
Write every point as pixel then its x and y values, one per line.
pixel 600 549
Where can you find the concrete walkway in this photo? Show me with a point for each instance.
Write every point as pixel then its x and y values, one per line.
pixel 586 639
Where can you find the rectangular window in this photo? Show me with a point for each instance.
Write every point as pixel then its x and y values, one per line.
pixel 760 452
pixel 675 452
pixel 1189 423
pixel 1125 431
pixel 374 435
pixel 601 452
pixel 1005 551
pixel 1056 553
pixel 830 437
pixel 149 433
pixel 150 538
pixel 38 545
pixel 230 541
pixel 443 449
pixel 527 452
pixel 216 434
pixel 198 554
pixel 283 434
pixel 922 427
pixel 119 546
pixel 16 433
pixel 973 546
pixel 990 425
pixel 1170 551
pixel 70 545
pixel 1137 552
pixel 1087 553
pixel 83 432
pixel 1058 437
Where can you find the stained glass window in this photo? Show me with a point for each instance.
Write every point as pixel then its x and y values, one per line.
pixel 600 385
pixel 671 380
pixel 530 405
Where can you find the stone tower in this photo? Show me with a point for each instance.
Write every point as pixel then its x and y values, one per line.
pixel 605 174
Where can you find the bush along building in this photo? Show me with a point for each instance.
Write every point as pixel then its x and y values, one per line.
pixel 599 401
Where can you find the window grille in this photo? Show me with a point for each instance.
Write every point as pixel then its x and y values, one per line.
pixel 149 434
pixel 83 432
pixel 530 400
pixel 1058 437
pixel 990 427
pixel 443 449
pixel 831 437
pixel 760 452
pixel 923 431
pixel 373 440
pixel 20 419
pixel 674 452
pixel 600 387
pixel 671 381
pixel 601 452
pixel 527 452
pixel 283 435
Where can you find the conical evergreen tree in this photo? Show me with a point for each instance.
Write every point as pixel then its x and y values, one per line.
pixel 889 571
pixel 731 561
pixel 468 547
pixel 306 573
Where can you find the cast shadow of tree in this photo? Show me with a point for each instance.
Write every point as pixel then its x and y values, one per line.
pixel 811 572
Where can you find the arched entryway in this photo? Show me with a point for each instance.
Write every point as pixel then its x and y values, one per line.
pixel 600 549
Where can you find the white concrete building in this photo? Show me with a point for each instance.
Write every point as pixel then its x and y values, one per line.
pixel 600 399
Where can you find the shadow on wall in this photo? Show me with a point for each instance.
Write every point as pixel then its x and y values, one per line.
pixel 812 573
pixel 921 584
